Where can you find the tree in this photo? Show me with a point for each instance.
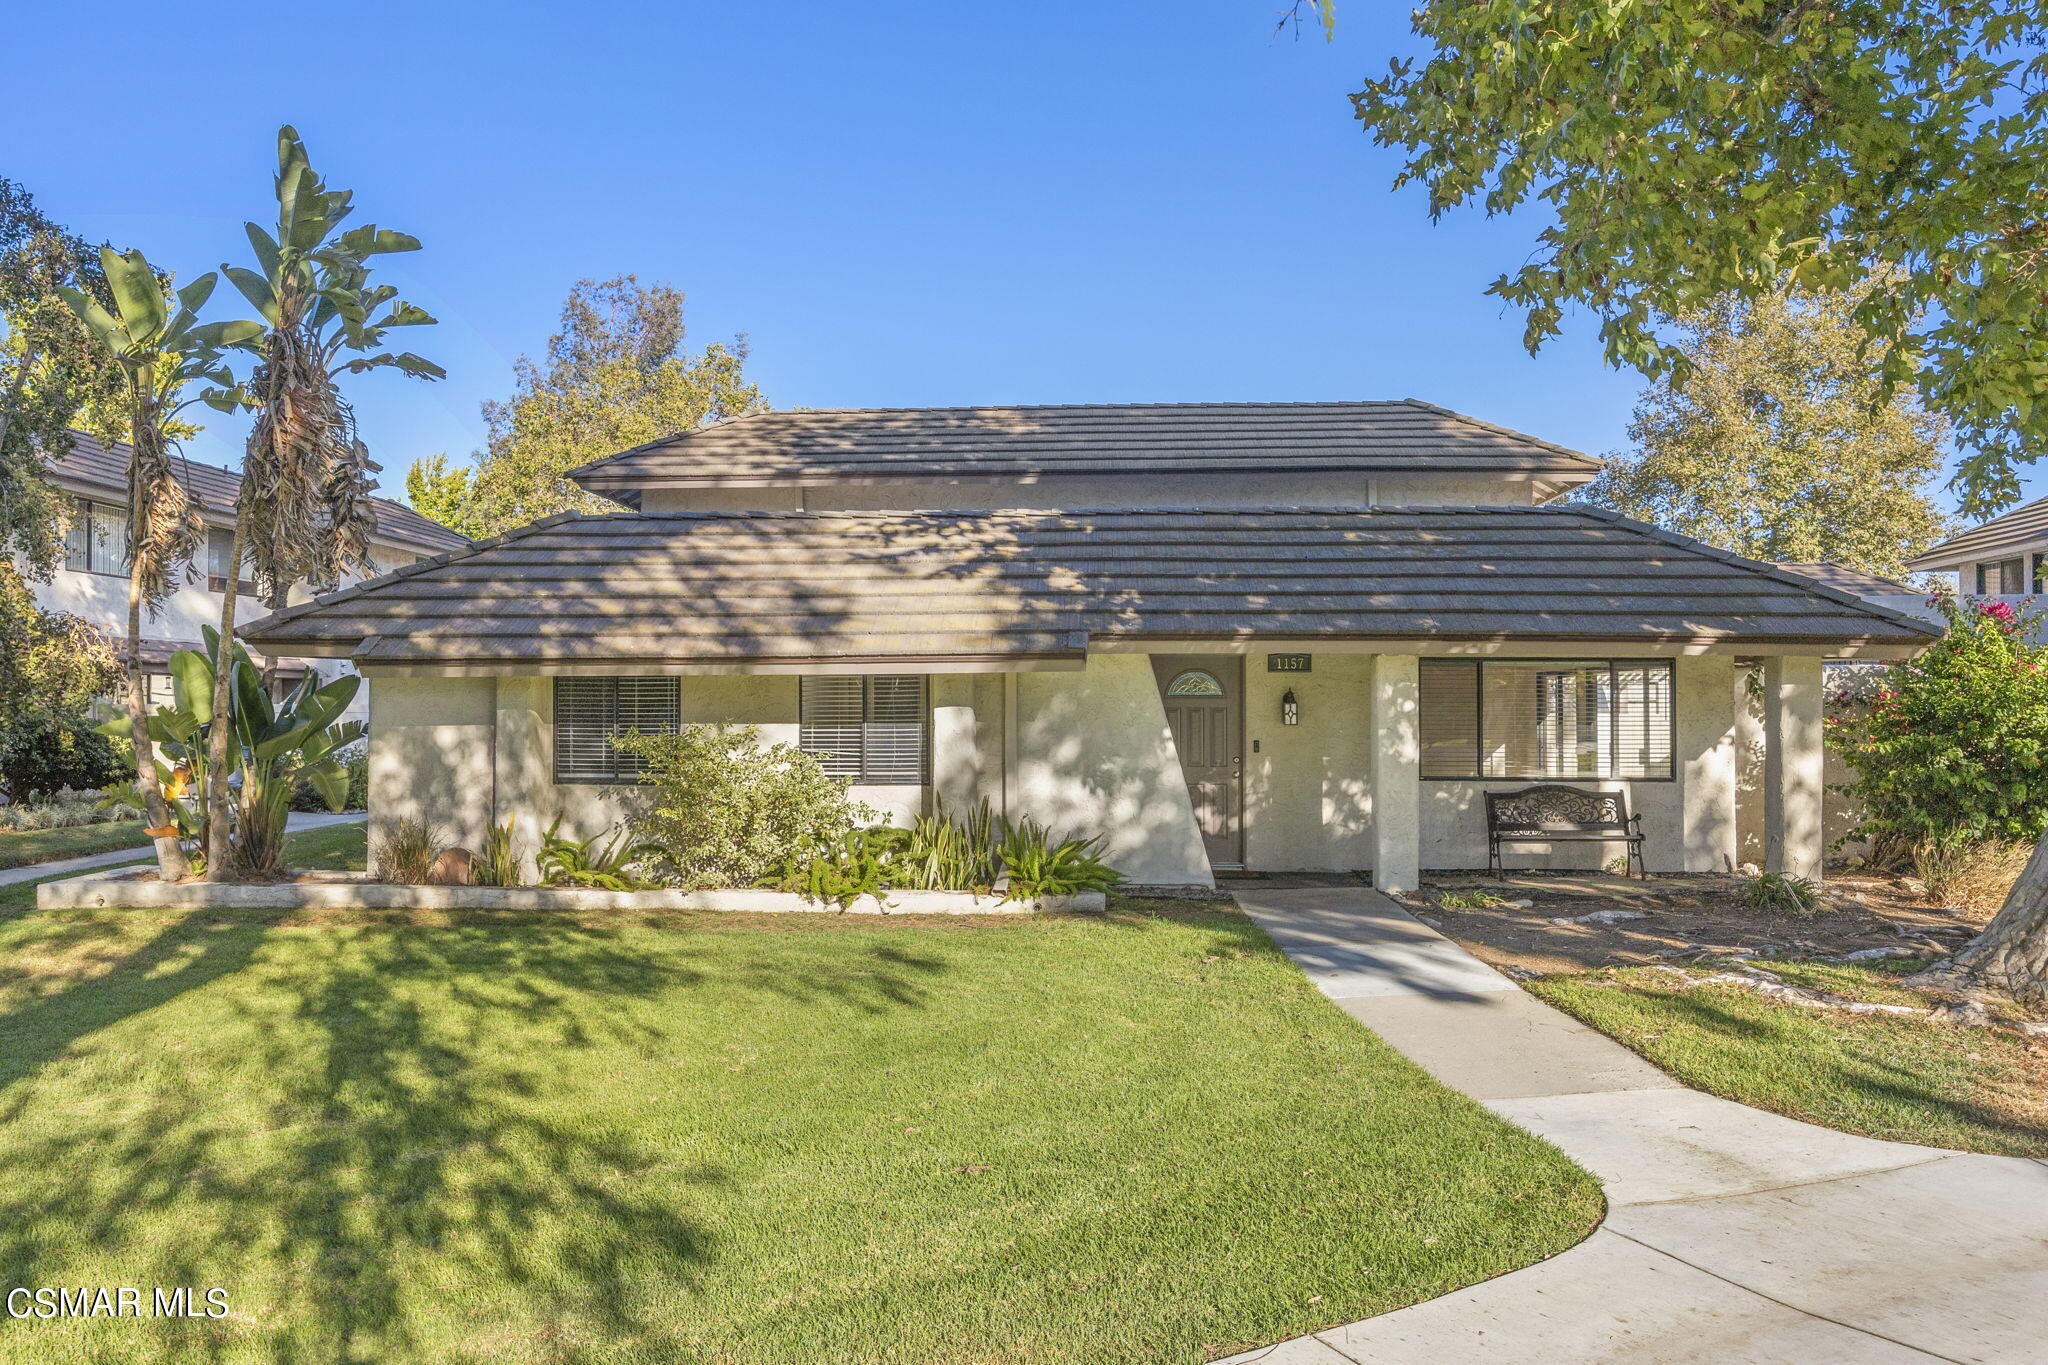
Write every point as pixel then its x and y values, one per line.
pixel 1890 149
pixel 162 348
pixel 51 369
pixel 616 376
pixel 53 666
pixel 304 510
pixel 1780 445
pixel 1886 148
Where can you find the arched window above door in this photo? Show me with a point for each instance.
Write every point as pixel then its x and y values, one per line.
pixel 1194 683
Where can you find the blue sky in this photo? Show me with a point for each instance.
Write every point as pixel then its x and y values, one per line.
pixel 899 203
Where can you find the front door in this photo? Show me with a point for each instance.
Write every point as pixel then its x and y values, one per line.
pixel 1204 710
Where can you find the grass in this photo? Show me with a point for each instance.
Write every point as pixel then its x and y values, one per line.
pixel 1903 1079
pixel 20 848
pixel 1141 1136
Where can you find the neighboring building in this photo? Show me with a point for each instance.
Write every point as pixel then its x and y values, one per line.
pixel 2004 557
pixel 1260 636
pixel 93 582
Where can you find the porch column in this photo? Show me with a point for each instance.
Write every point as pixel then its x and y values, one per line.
pixel 1793 841
pixel 1396 774
pixel 956 749
pixel 522 773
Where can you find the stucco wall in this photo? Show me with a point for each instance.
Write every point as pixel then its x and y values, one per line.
pixel 1093 755
pixel 1218 490
pixel 431 755
pixel 1308 799
pixel 525 745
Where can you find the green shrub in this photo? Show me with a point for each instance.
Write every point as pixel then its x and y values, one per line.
pixel 406 854
pixel 499 862
pixel 1774 893
pixel 720 809
pixel 1038 864
pixel 1954 745
pixel 355 760
pixel 66 813
pixel 43 754
pixel 947 853
pixel 604 861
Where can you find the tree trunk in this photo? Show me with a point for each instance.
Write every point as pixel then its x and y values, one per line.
pixel 172 865
pixel 2011 955
pixel 279 598
pixel 218 807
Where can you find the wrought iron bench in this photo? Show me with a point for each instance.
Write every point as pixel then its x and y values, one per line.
pixel 1560 815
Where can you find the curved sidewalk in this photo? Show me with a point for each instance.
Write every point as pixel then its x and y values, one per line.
pixel 1732 1235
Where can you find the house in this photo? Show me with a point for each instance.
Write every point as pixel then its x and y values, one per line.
pixel 93 581
pixel 2004 557
pixel 1225 636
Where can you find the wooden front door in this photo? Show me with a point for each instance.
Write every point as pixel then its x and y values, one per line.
pixel 1204 696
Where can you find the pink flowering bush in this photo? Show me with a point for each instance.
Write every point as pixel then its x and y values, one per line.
pixel 1954 745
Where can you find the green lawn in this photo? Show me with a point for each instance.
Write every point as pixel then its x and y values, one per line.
pixel 19 848
pixel 1135 1137
pixel 1903 1079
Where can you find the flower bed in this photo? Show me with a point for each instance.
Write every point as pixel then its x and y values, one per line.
pixel 356 890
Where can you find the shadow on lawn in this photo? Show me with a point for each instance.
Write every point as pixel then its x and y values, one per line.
pixel 1873 1065
pixel 403 1161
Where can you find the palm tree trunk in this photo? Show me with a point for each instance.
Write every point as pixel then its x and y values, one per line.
pixel 218 807
pixel 172 865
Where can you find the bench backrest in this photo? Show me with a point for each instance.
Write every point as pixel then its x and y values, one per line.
pixel 1555 810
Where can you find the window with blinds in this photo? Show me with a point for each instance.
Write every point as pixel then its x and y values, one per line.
pixel 589 711
pixel 869 729
pixel 1547 718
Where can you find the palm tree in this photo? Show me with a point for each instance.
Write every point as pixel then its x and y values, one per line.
pixel 161 347
pixel 304 511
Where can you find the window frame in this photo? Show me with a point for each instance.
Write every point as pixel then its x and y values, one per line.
pixel 868 772
pixel 626 769
pixel 1670 667
pixel 87 512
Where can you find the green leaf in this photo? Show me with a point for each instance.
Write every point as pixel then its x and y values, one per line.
pixel 193 296
pixel 254 288
pixel 268 256
pixel 137 294
pixel 192 680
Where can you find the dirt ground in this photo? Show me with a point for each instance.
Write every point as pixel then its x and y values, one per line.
pixel 1680 916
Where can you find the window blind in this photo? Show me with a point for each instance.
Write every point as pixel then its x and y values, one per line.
pixel 589 711
pixel 1546 718
pixel 868 729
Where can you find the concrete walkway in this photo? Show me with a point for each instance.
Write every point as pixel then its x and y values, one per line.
pixel 1732 1235
pixel 295 822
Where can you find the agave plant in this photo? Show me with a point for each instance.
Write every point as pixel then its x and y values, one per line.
pixel 304 509
pixel 162 349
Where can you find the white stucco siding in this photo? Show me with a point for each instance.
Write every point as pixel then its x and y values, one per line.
pixel 1308 797
pixel 1210 490
pixel 1093 755
pixel 524 751
pixel 432 743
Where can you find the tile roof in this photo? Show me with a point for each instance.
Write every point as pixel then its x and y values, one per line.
pixel 1850 580
pixel 1011 586
pixel 2022 528
pixel 1181 439
pixel 94 467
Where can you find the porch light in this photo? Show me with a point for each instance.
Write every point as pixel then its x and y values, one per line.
pixel 1290 709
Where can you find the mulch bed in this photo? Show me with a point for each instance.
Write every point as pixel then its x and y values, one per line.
pixel 1682 916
